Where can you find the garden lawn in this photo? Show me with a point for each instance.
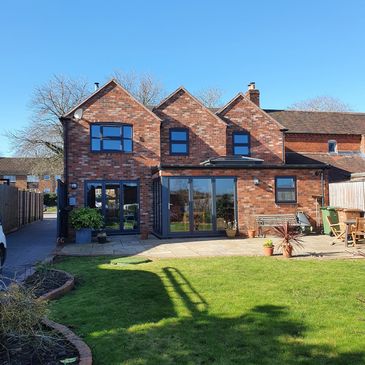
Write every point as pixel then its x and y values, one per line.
pixel 230 310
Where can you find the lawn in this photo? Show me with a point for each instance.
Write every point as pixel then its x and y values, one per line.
pixel 233 310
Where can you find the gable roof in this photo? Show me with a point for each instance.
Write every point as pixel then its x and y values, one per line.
pixel 17 165
pixel 222 111
pixel 320 122
pixel 181 88
pixel 100 89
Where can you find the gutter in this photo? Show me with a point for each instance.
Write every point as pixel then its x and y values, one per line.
pixel 248 167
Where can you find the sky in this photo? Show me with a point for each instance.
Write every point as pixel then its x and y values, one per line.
pixel 293 50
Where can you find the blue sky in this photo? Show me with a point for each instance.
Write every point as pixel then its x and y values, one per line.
pixel 293 50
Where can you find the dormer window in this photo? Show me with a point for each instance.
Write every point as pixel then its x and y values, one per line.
pixel 332 146
pixel 241 144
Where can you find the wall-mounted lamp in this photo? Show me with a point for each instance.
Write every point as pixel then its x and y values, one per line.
pixel 73 186
pixel 256 181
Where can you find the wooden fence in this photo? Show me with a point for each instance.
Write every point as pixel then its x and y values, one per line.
pixel 349 194
pixel 19 207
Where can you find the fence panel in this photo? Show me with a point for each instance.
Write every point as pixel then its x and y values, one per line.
pixel 18 208
pixel 348 194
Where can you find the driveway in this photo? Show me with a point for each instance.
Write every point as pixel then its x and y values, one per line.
pixel 29 245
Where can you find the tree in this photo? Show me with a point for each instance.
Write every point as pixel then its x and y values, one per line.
pixel 211 97
pixel 321 104
pixel 43 136
pixel 144 87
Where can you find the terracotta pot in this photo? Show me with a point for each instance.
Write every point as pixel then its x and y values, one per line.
pixel 231 233
pixel 251 233
pixel 287 251
pixel 268 251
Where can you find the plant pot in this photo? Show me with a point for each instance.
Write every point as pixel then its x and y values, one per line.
pixel 251 233
pixel 231 233
pixel 287 251
pixel 102 237
pixel 268 251
pixel 83 235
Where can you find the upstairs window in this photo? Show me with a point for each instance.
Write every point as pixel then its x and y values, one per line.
pixel 179 141
pixel 47 177
pixel 285 189
pixel 332 146
pixel 11 178
pixel 32 178
pixel 241 144
pixel 111 138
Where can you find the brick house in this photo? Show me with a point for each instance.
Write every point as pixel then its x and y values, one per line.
pixel 333 138
pixel 181 169
pixel 18 171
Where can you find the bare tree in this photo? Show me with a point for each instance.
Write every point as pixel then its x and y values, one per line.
pixel 145 88
pixel 321 104
pixel 211 97
pixel 43 136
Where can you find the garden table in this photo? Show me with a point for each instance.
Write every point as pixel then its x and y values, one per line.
pixel 349 223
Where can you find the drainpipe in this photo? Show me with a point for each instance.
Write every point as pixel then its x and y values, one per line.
pixel 322 188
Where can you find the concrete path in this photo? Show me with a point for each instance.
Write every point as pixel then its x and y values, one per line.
pixel 314 246
pixel 29 245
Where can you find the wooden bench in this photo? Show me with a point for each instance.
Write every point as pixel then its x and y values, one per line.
pixel 273 220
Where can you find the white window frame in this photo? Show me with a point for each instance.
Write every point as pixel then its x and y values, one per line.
pixel 332 141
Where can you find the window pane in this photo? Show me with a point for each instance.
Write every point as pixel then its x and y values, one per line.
pixel 179 135
pixel 127 131
pixel 179 205
pixel 241 150
pixel 240 138
pixel 285 182
pixel 112 144
pixel 95 144
pixel 224 202
pixel 179 148
pixel 202 204
pixel 32 178
pixel 46 177
pixel 331 146
pixel 286 195
pixel 94 195
pixel 127 145
pixel 11 178
pixel 95 131
pixel 130 207
pixel 111 131
pixel 112 206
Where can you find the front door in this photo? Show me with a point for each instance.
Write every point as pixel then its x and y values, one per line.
pixel 118 202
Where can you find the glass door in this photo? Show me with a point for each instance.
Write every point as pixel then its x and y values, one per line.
pixel 202 205
pixel 130 207
pixel 112 207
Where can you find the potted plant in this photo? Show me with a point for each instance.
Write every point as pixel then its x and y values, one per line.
pixel 84 220
pixel 291 237
pixel 231 229
pixel 268 248
pixel 101 237
pixel 251 231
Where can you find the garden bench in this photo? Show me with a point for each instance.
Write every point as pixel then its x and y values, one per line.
pixel 273 220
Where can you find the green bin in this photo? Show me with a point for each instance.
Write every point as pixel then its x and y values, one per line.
pixel 328 212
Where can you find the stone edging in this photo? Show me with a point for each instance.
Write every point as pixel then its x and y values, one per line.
pixel 85 357
pixel 59 292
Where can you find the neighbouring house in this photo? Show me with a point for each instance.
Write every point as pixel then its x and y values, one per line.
pixel 19 172
pixel 180 169
pixel 333 138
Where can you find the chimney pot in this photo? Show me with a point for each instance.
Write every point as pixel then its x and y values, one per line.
pixel 96 85
pixel 251 86
pixel 253 94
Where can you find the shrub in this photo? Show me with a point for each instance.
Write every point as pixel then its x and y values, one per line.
pixel 86 218
pixel 50 199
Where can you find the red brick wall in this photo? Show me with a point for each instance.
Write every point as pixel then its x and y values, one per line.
pixel 113 104
pixel 207 133
pixel 319 142
pixel 260 199
pixel 266 137
pixel 21 183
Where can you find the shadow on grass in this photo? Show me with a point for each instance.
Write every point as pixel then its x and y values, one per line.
pixel 134 321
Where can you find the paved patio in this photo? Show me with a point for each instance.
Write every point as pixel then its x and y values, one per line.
pixel 314 246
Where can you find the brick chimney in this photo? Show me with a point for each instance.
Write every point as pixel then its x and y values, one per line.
pixel 253 94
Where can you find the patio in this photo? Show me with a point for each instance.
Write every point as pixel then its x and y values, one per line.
pixel 318 246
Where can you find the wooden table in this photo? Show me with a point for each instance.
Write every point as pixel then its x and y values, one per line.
pixel 348 223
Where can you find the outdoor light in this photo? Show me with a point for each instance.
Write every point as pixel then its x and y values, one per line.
pixel 256 180
pixel 73 185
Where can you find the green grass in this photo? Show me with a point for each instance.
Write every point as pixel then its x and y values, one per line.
pixel 51 209
pixel 236 310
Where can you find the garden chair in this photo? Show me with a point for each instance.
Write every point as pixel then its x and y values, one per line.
pixel 358 231
pixel 338 230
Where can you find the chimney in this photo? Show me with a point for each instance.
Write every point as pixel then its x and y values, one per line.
pixel 96 85
pixel 253 94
